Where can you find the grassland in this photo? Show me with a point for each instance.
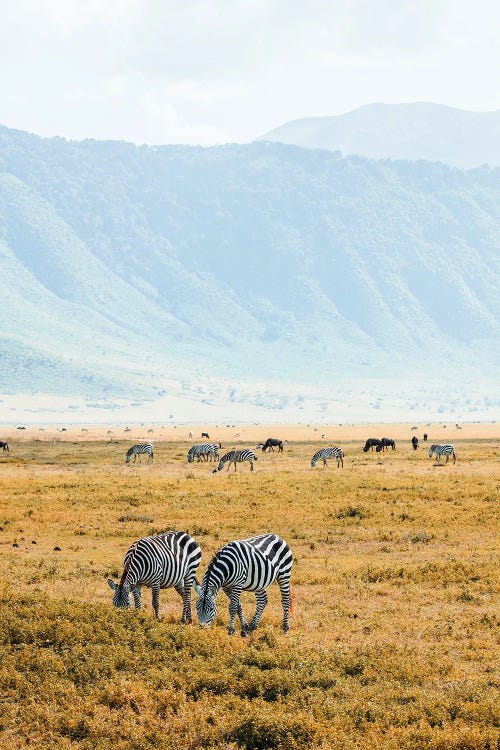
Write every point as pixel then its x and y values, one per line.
pixel 392 644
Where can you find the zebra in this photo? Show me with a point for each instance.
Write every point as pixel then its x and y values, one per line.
pixel 325 453
pixel 159 562
pixel 442 450
pixel 138 450
pixel 246 565
pixel 5 446
pixel 234 457
pixel 203 451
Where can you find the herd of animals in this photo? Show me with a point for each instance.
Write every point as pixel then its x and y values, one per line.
pixel 210 452
pixel 171 559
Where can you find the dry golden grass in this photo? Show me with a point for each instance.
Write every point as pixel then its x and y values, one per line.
pixel 393 641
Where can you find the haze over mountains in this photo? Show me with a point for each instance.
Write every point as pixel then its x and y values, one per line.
pixel 414 131
pixel 261 277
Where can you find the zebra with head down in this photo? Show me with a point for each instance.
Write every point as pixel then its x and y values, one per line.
pixel 246 565
pixel 202 451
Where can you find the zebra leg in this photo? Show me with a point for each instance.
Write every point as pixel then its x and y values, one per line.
pixel 251 465
pixel 156 601
pixel 261 597
pixel 325 465
pixel 454 458
pixel 284 584
pixel 234 606
pixel 234 465
pixel 239 612
pixel 447 457
pixel 184 592
pixel 136 593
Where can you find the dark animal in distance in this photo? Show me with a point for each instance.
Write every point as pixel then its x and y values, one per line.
pixel 205 435
pixel 386 443
pixel 159 562
pixel 425 437
pixel 271 444
pixel 246 565
pixel 414 442
pixel 372 443
pixel 5 446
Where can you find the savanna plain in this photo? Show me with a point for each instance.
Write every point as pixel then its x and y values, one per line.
pixel 394 635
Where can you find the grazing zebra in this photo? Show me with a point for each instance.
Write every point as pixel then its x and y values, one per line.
pixel 246 565
pixel 442 450
pixel 5 446
pixel 159 562
pixel 203 451
pixel 138 450
pixel 325 453
pixel 234 457
pixel 372 443
pixel 271 444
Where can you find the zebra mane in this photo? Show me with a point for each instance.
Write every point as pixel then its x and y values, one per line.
pixel 127 565
pixel 209 570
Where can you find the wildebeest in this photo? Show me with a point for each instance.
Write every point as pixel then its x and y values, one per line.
pixel 5 446
pixel 372 443
pixel 271 444
pixel 205 435
pixel 414 442
pixel 388 443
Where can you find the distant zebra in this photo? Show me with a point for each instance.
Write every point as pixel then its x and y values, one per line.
pixel 271 444
pixel 372 443
pixel 203 451
pixel 325 453
pixel 5 446
pixel 246 565
pixel 442 450
pixel 159 562
pixel 138 450
pixel 234 457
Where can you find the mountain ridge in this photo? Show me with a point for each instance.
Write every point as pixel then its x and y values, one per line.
pixel 416 130
pixel 145 270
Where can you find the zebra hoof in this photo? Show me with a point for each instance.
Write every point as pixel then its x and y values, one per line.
pixel 243 633
pixel 230 631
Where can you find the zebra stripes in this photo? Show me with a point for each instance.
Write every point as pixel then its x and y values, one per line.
pixel 234 457
pixel 203 451
pixel 325 453
pixel 246 565
pixel 442 450
pixel 159 562
pixel 138 450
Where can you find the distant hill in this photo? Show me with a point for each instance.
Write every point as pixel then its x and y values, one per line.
pixel 132 271
pixel 401 131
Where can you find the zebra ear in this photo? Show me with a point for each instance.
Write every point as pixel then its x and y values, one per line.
pixel 197 587
pixel 112 584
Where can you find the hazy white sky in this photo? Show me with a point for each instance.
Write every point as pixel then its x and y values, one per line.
pixel 161 71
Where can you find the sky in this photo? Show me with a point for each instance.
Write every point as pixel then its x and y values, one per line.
pixel 159 71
